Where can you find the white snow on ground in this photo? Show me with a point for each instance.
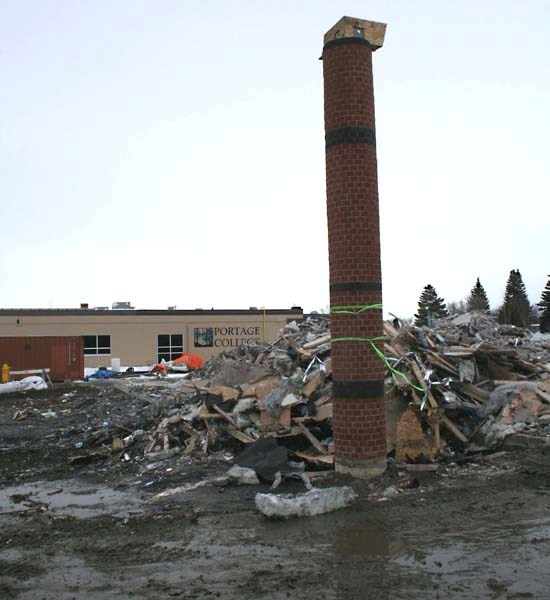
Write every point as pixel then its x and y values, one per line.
pixel 143 369
pixel 28 383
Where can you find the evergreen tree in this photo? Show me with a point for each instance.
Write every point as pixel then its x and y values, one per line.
pixel 516 309
pixel 544 307
pixel 478 298
pixel 430 307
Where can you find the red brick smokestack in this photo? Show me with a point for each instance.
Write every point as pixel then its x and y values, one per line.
pixel 354 245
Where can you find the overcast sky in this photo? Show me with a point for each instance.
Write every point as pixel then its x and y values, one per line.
pixel 171 152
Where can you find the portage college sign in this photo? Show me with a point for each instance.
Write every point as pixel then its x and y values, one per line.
pixel 225 337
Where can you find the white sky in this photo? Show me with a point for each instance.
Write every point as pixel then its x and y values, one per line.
pixel 172 152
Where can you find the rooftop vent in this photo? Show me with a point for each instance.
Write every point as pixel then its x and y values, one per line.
pixel 122 306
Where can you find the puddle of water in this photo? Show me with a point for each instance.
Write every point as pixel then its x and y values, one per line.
pixel 368 539
pixel 65 498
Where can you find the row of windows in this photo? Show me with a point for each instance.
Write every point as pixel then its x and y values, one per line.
pixel 169 345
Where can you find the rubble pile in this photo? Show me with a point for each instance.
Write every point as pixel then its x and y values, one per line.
pixel 278 392
pixel 458 389
pixel 478 380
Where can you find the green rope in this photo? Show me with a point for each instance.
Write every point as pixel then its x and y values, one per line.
pixel 353 309
pixel 356 310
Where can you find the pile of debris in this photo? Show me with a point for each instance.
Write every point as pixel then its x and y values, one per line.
pixel 271 400
pixel 460 387
pixel 479 380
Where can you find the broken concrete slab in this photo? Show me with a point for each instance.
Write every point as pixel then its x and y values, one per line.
pixel 243 475
pixel 314 502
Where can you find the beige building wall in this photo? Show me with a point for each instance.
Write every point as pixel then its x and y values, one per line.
pixel 134 334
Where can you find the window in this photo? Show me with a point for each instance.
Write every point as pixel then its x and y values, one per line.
pixel 97 344
pixel 169 346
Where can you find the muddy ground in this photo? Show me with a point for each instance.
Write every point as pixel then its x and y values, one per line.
pixel 91 530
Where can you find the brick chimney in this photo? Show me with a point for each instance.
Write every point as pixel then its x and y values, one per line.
pixel 354 245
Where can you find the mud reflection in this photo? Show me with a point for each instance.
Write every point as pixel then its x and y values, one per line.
pixel 362 552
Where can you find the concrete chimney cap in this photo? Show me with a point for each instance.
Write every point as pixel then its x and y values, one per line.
pixel 348 27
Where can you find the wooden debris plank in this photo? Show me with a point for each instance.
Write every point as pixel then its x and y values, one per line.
pixel 240 435
pixel 206 414
pixel 323 400
pixel 543 396
pixel 264 386
pixel 225 415
pixel 462 352
pixel 411 439
pixel 313 384
pixel 30 371
pixel 418 374
pixel 440 361
pixel 431 342
pixel 270 423
pixel 292 400
pixel 325 459
pixel 188 429
pixel 414 468
pixel 471 390
pixel 497 371
pixel 391 350
pixel 318 342
pixel 433 419
pixel 292 432
pixel 487 348
pixel 305 356
pixel 526 365
pixel 453 429
pixel 188 487
pixel 312 439
pixel 324 412
pixel 390 330
pixel 416 397
pixel 395 349
pixel 318 474
pixel 46 377
pixel 227 393
pixel 247 390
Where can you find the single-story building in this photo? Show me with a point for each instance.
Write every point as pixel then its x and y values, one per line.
pixel 143 337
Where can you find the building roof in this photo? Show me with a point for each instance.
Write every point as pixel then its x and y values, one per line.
pixel 70 312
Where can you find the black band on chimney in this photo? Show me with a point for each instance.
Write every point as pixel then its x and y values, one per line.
pixel 350 135
pixel 352 286
pixel 347 40
pixel 363 388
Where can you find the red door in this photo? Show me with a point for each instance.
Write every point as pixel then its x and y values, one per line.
pixel 67 359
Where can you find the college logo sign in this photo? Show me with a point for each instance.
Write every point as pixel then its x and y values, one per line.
pixel 225 337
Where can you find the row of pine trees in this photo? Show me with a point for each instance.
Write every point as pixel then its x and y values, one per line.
pixel 515 310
